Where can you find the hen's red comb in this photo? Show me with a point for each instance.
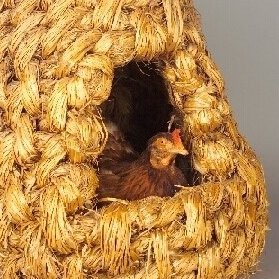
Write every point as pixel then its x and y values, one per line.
pixel 176 136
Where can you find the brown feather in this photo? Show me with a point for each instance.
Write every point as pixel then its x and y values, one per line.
pixel 138 180
pixel 116 150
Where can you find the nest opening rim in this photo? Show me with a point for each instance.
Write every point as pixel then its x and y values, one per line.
pixel 152 109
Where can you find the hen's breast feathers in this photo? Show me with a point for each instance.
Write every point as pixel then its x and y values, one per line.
pixel 137 180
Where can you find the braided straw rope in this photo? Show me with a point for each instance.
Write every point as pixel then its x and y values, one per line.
pixel 57 60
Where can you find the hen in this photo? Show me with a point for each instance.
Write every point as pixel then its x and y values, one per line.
pixel 153 173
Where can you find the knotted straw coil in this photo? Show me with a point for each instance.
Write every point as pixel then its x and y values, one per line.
pixel 57 61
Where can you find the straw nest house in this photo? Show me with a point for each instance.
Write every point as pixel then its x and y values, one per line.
pixel 60 61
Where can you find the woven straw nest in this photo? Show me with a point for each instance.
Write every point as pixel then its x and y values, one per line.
pixel 57 61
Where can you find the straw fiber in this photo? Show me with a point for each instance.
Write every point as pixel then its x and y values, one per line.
pixel 57 64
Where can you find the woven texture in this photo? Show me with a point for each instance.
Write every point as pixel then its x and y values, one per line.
pixel 57 61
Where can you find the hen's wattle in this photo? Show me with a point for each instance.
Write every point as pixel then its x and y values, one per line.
pixel 153 173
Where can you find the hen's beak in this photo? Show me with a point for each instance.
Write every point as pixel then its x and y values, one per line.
pixel 179 149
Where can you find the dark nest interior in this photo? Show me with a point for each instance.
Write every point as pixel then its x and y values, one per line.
pixel 140 107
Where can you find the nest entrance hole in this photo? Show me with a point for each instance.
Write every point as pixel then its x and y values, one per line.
pixel 139 105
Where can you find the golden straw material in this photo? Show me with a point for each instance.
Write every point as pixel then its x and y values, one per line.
pixel 58 61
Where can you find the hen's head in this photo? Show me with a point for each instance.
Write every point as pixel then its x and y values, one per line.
pixel 164 147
